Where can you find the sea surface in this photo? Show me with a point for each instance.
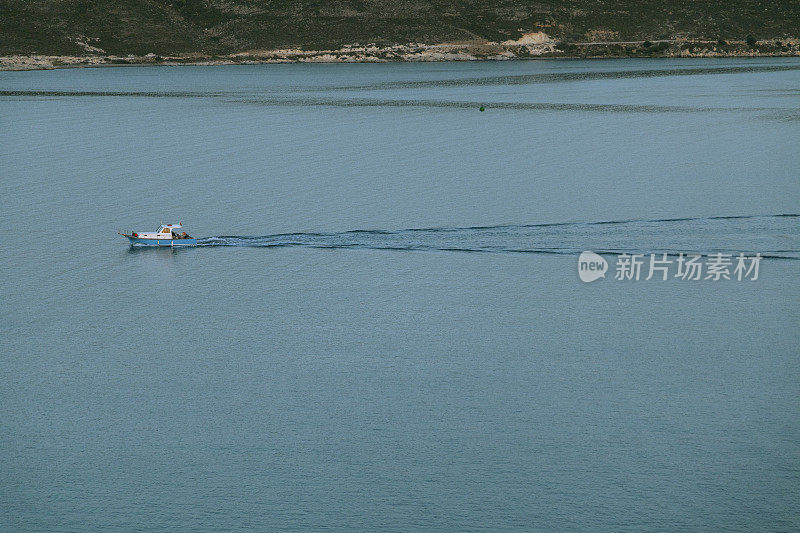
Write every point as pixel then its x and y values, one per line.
pixel 383 326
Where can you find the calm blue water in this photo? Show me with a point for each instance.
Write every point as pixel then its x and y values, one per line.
pixel 383 327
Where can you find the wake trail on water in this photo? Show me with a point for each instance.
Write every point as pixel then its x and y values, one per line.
pixel 773 236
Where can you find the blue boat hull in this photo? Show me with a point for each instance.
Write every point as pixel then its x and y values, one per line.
pixel 161 242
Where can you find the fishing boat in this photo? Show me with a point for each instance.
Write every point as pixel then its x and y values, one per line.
pixel 165 235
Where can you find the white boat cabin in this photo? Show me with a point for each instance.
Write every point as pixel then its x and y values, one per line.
pixel 164 232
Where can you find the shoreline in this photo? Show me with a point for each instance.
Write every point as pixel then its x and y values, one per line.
pixel 530 46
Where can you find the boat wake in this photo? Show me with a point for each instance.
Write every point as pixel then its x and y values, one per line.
pixel 774 236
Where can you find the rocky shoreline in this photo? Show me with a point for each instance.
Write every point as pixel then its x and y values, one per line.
pixel 530 45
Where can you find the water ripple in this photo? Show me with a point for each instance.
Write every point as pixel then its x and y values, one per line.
pixel 773 236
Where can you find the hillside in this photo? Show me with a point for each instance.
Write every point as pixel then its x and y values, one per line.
pixel 213 28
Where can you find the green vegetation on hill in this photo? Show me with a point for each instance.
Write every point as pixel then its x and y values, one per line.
pixel 164 27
